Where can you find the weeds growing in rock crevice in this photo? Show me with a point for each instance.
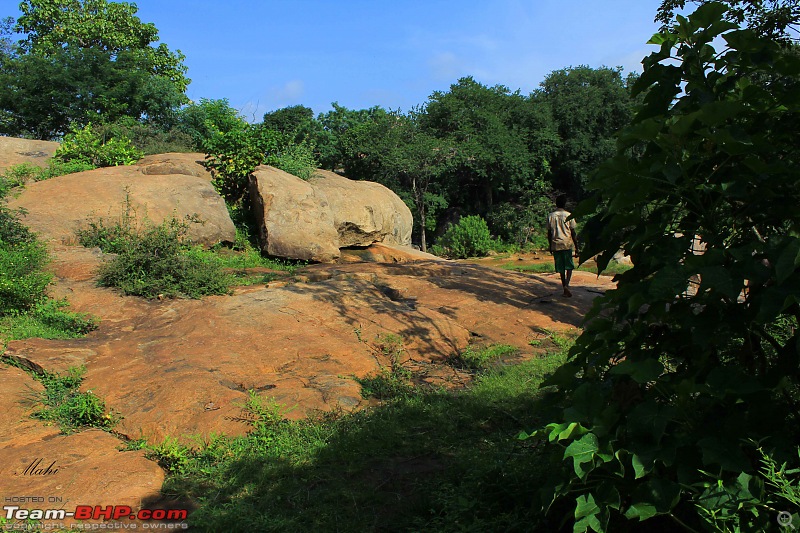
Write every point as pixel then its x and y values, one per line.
pixel 63 403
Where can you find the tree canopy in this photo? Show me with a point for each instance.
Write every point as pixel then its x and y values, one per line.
pixel 82 61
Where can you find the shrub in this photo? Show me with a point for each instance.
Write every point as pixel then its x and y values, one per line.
pixel 147 137
pixel 22 283
pixel 17 175
pixel 113 238
pixel 524 223
pixel 156 261
pixel 233 155
pixel 89 147
pixel 469 238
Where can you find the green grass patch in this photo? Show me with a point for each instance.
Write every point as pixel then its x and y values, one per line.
pixel 25 309
pixel 431 460
pixel 612 269
pixel 48 319
pixel 18 175
pixel 477 357
pixel 63 403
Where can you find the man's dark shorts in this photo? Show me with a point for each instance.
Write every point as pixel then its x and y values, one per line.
pixel 563 259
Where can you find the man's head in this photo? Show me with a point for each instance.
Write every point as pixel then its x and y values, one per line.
pixel 561 201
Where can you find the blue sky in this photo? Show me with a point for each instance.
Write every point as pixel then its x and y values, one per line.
pixel 266 54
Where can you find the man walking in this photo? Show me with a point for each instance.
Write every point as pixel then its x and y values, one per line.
pixel 563 241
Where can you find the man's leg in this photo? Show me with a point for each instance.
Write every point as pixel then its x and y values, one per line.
pixel 565 283
pixel 563 258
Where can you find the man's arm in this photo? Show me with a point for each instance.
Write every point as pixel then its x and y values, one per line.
pixel 574 237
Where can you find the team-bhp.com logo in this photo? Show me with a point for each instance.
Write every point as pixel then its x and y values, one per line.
pixel 94 512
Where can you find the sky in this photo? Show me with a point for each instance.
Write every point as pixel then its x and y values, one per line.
pixel 263 55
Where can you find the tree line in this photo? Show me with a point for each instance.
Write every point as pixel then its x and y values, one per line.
pixel 470 150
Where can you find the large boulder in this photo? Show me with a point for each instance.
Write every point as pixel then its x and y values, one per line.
pixel 313 219
pixel 158 189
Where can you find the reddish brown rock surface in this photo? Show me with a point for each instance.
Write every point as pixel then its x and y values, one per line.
pixel 174 186
pixel 41 468
pixel 183 367
pixel 15 151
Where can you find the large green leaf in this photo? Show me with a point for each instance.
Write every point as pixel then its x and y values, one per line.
pixel 583 452
pixel 641 371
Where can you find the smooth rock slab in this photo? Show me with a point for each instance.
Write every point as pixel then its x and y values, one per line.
pixel 58 207
pixel 41 468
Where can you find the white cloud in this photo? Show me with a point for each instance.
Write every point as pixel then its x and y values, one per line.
pixel 290 92
pixel 445 66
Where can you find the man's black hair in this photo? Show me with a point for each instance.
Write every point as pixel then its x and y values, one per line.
pixel 561 201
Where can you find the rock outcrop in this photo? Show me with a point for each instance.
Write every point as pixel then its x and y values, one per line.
pixel 15 151
pixel 312 220
pixel 159 188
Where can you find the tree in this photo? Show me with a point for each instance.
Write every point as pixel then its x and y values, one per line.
pixel 204 119
pixel 487 127
pixel 588 106
pixel 292 120
pixel 677 389
pixel 772 18
pixel 102 63
pixel 330 132
pixel 393 150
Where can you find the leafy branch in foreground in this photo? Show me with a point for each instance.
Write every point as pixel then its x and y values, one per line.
pixel 693 363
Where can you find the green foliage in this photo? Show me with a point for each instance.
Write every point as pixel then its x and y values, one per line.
pixel 173 456
pixel 772 18
pixel 112 238
pixel 46 319
pixel 329 136
pixel 669 385
pixel 392 149
pixel 100 64
pixel 469 238
pixel 233 155
pixel 501 144
pixel 25 310
pixel 588 106
pixel 482 357
pixel 296 121
pixel 146 136
pixel 18 175
pixel 88 147
pixel 522 222
pixel 22 281
pixel 67 406
pixel 202 120
pixel 393 380
pixel 154 261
